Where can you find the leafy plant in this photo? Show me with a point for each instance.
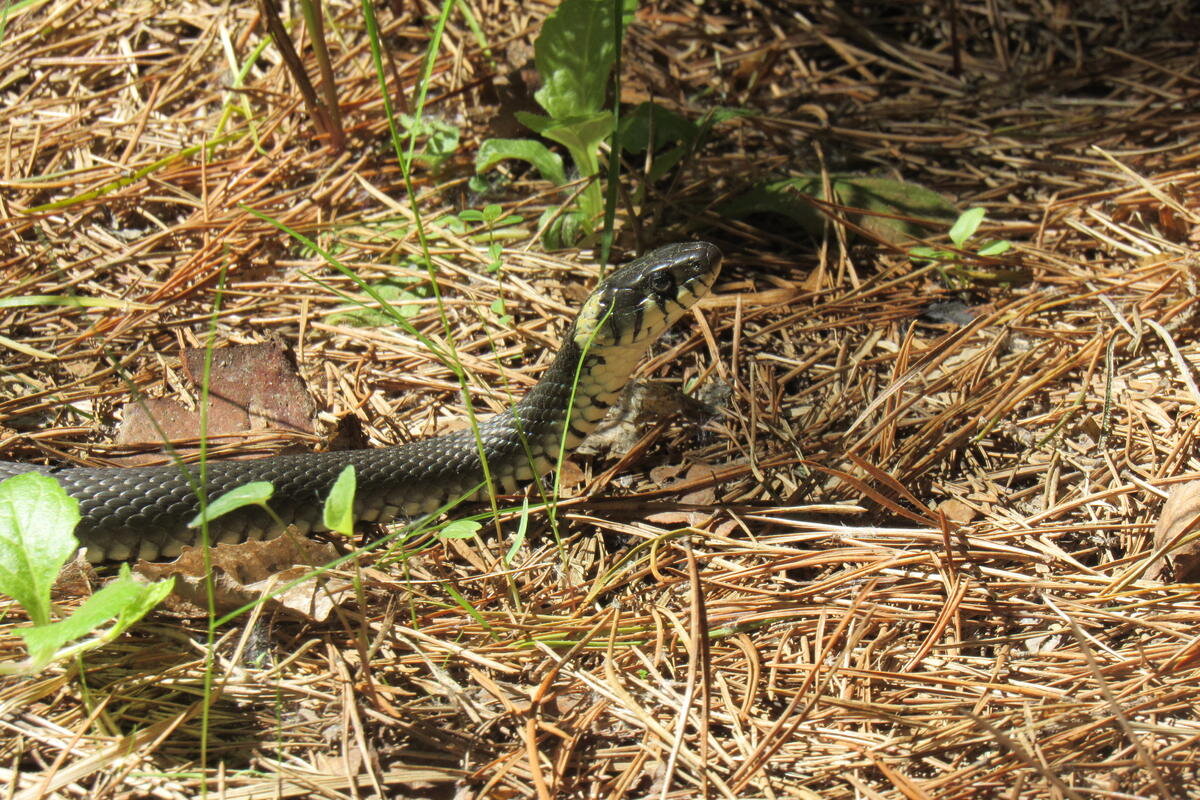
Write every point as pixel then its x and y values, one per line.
pixel 255 493
pixel 37 523
pixel 403 294
pixel 895 211
pixel 574 54
pixel 667 136
pixel 441 139
pixel 951 262
pixel 492 218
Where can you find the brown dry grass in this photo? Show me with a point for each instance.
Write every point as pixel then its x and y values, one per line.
pixel 917 571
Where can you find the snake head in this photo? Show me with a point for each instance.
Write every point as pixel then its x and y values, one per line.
pixel 637 302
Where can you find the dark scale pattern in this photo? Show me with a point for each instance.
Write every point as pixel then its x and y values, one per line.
pixel 144 511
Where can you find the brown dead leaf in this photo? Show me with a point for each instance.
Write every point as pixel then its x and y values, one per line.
pixel 1180 515
pixel 957 511
pixel 245 573
pixel 570 475
pixel 700 473
pixel 251 387
pixel 77 577
pixel 662 475
pixel 705 495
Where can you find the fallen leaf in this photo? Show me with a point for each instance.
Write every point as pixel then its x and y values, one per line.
pixel 957 511
pixel 705 495
pixel 245 573
pixel 250 387
pixel 1178 518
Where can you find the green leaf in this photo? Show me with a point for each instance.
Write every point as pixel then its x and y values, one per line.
pixel 37 523
pixel 995 248
pixel 441 138
pixel 930 253
pixel 460 529
pixel 919 208
pixel 256 493
pixel 125 599
pixel 923 209
pixel 581 135
pixel 548 164
pixel 779 199
pixel 393 292
pixel 339 506
pixel 566 229
pixel 649 119
pixel 519 537
pixel 725 113
pixel 965 226
pixel 574 54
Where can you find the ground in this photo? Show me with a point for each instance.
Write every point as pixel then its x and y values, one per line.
pixel 911 545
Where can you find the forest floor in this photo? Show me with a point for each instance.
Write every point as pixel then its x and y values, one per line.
pixel 925 534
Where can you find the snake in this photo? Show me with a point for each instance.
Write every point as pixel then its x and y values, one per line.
pixel 129 513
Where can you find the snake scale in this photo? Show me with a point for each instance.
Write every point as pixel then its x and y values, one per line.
pixel 143 512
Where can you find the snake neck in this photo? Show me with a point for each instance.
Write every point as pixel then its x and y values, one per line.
pixel 576 390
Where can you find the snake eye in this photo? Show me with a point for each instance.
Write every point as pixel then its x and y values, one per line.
pixel 660 282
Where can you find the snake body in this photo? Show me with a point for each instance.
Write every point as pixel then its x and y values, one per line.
pixel 144 512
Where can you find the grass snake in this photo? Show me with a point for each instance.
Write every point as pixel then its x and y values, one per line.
pixel 143 512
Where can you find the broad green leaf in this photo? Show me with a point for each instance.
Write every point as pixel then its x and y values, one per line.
pixel 924 209
pixel 548 163
pixel 779 199
pixel 966 225
pixel 665 161
pixel 256 493
pixel 581 135
pixel 566 229
pixel 441 138
pixel 125 600
pixel 37 524
pixel 460 529
pixel 928 252
pixel 339 506
pixel 920 208
pixel 649 119
pixel 574 54
pixel 397 296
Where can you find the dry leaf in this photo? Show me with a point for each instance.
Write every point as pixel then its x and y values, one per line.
pixel 244 573
pixel 957 511
pixel 1179 516
pixel 250 387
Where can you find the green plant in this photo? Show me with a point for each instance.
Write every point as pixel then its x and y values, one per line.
pixel 404 294
pixel 951 263
pixel 492 218
pixel 37 523
pixel 891 210
pixel 338 514
pixel 440 137
pixel 574 54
